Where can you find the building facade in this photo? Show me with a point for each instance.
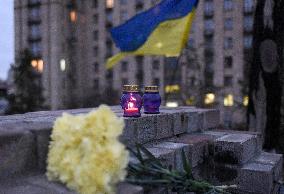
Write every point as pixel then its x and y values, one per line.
pixel 70 43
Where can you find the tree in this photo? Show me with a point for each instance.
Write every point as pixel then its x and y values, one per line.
pixel 265 88
pixel 27 95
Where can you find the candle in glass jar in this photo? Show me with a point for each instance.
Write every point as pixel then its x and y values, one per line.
pixel 131 101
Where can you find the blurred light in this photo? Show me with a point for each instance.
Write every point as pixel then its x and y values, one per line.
pixel 37 64
pixel 34 63
pixel 229 100
pixel 40 65
pixel 109 3
pixel 172 88
pixel 246 101
pixel 209 98
pixel 62 64
pixel 172 104
pixel 73 16
pixel 190 101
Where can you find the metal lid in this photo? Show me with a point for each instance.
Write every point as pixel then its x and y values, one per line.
pixel 151 89
pixel 130 88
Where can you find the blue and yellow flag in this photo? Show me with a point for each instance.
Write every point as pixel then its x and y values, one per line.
pixel 161 30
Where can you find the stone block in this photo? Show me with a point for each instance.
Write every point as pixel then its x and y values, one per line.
pixel 275 160
pixel 256 178
pixel 197 147
pixel 235 148
pixel 17 152
pixel 179 123
pixel 165 125
pixel 146 129
pixel 42 138
pixel 126 188
pixel 166 156
pixel 129 136
pixel 194 121
pixel 177 149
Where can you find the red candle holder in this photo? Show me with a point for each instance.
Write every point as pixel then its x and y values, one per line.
pixel 131 101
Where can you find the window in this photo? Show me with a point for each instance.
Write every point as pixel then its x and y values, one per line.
pixel 139 61
pixel 228 62
pixel 229 100
pixel 208 8
pixel 248 23
pixel 123 16
pixel 34 13
pixel 209 26
pixel 109 48
pixel 35 31
pixel 228 81
pixel 95 3
pixel 248 41
pixel 35 48
pixel 139 5
pixel 192 81
pixel 95 51
pixel 96 67
pixel 95 18
pixel 228 44
pixel 156 64
pixel 62 65
pixel 228 25
pixel 191 42
pixel 109 16
pixel 96 83
pixel 109 4
pixel 209 98
pixel 248 6
pixel 38 65
pixel 124 66
pixel 73 16
pixel 208 40
pixel 96 35
pixel 228 5
pixel 156 82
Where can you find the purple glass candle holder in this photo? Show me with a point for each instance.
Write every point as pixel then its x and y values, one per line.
pixel 131 101
pixel 152 100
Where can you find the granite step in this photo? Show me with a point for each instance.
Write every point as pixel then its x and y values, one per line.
pixel 236 148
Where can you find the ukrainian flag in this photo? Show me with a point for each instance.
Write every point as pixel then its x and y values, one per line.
pixel 161 30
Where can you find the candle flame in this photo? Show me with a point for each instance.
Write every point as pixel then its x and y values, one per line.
pixel 130 104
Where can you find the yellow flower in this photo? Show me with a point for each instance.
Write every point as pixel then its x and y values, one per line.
pixel 85 153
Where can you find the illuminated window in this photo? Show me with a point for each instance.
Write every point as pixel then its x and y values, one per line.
pixel 73 16
pixel 190 101
pixel 37 64
pixel 109 4
pixel 229 100
pixel 172 104
pixel 209 98
pixel 246 101
pixel 62 65
pixel 34 63
pixel 40 65
pixel 172 88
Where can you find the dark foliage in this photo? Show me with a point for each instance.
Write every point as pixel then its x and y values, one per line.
pixel 27 96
